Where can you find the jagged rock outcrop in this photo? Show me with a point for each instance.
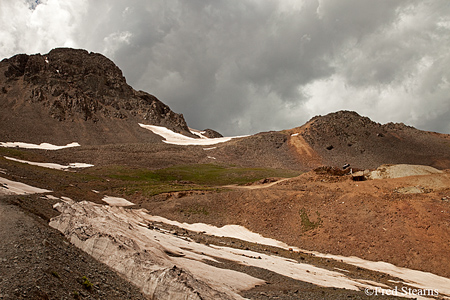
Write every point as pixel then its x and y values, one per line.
pixel 212 134
pixel 78 87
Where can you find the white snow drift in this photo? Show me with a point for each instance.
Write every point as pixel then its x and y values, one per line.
pixel 52 165
pixel 42 146
pixel 179 139
pixel 117 201
pixel 9 187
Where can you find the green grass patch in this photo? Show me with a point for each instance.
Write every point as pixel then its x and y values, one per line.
pixel 128 180
pixel 306 223
pixel 86 283
pixel 195 210
pixel 152 189
pixel 12 152
pixel 203 174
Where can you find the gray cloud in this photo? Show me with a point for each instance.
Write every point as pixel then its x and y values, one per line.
pixel 248 66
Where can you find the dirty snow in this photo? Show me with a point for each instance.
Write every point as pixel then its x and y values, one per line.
pixel 179 139
pixel 51 165
pixel 419 279
pixel 231 231
pixel 9 187
pixel 402 170
pixel 43 146
pixel 116 201
pixel 119 236
pixel 198 133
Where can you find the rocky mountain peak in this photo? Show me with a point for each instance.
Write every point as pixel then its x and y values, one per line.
pixel 346 137
pixel 71 85
pixel 63 68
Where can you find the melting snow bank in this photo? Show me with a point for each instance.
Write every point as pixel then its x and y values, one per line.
pixel 402 170
pixel 9 187
pixel 42 146
pixel 169 266
pixel 52 165
pixel 421 280
pixel 179 139
pixel 116 201
pixel 231 231
pixel 162 265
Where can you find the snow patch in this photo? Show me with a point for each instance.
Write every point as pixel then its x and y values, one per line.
pixel 116 201
pixel 43 146
pixel 9 187
pixel 51 165
pixel 198 133
pixel 419 279
pixel 172 137
pixel 120 238
pixel 231 231
pixel 402 170
pixel 124 234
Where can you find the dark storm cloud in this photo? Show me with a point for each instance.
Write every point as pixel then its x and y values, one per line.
pixel 247 66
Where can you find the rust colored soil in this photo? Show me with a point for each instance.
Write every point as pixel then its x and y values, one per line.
pixel 378 220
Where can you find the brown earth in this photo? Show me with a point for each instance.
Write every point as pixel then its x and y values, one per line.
pixel 372 219
pixel 268 150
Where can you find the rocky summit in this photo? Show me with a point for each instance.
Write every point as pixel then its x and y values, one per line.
pixel 346 137
pixel 72 94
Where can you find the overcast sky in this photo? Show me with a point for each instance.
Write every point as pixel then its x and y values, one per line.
pixel 245 66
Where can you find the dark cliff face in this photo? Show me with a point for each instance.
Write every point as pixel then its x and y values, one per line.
pixel 72 85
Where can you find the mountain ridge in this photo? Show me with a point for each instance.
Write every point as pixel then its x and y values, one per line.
pixel 346 137
pixel 79 87
pixel 72 95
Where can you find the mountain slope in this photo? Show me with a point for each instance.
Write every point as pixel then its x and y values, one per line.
pixel 69 95
pixel 346 137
